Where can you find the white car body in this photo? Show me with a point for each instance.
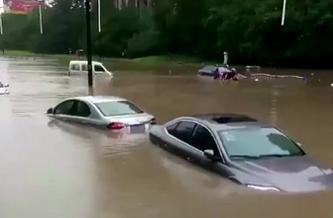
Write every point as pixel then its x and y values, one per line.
pixel 86 110
pixel 79 67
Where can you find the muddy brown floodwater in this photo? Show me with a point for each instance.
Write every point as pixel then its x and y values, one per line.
pixel 59 170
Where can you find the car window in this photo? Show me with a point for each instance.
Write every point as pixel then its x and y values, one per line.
pixel 117 108
pixel 81 109
pixel 64 108
pixel 172 128
pixel 184 131
pixel 75 67
pixel 99 68
pixel 203 140
pixel 258 142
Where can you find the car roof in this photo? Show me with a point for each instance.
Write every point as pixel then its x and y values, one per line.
pixel 226 121
pixel 83 62
pixel 223 117
pixel 209 66
pixel 98 99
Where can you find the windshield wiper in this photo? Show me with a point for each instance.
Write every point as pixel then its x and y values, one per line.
pixel 274 155
pixel 244 157
pixel 262 156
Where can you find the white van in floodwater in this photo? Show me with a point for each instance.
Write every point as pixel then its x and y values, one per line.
pixel 77 67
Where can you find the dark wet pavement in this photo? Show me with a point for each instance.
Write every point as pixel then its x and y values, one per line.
pixel 54 169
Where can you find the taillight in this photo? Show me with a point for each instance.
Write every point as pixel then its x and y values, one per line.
pixel 115 126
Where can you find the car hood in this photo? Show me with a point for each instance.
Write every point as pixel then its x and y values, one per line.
pixel 291 174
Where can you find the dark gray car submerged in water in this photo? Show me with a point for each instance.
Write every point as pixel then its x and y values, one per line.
pixel 243 150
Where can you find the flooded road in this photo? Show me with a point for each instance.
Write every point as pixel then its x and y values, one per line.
pixel 53 169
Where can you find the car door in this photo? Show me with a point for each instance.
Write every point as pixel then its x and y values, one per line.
pixel 203 140
pixel 194 139
pixel 84 68
pixel 181 138
pixel 98 69
pixel 81 113
pixel 74 111
pixel 64 110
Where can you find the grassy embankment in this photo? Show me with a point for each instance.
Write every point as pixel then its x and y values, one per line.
pixel 153 64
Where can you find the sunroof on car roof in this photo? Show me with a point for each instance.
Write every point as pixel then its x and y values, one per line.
pixel 225 118
pixel 234 119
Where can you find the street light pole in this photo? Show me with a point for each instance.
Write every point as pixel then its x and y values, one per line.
pixel 283 12
pixel 89 55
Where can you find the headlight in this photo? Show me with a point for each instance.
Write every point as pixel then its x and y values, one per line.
pixel 263 188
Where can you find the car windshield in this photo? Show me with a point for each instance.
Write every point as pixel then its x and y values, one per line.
pixel 117 108
pixel 258 143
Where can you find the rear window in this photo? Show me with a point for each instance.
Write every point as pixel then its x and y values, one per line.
pixel 75 67
pixel 118 108
pixel 84 67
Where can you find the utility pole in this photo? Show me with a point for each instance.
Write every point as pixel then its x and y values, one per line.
pixel 1 33
pixel 1 26
pixel 89 55
pixel 40 16
pixel 99 15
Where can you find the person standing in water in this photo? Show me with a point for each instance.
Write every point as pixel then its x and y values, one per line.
pixel 225 59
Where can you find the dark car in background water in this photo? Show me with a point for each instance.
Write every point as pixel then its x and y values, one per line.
pixel 246 151
pixel 208 70
pixel 223 72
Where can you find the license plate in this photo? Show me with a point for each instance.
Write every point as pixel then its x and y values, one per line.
pixel 138 129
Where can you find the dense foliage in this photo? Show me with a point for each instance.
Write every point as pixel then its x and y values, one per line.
pixel 249 30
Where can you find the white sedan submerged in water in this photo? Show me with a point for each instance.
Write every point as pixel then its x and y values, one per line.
pixel 108 112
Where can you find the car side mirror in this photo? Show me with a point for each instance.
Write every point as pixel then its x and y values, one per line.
pixel 210 155
pixel 50 111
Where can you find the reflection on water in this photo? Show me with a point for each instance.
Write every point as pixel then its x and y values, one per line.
pixel 106 143
pixel 274 102
pixel 55 169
